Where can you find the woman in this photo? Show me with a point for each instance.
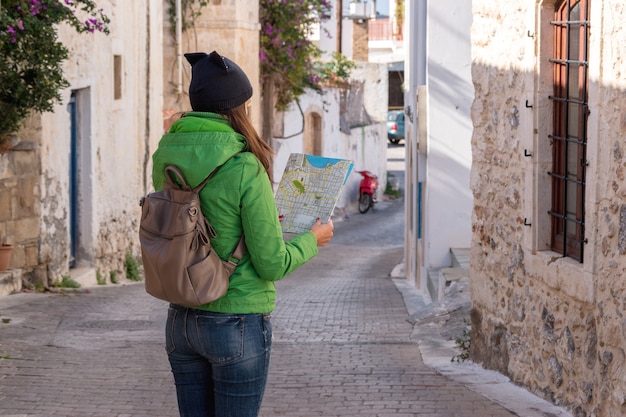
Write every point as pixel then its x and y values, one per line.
pixel 219 352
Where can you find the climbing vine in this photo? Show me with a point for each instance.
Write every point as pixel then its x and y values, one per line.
pixel 289 59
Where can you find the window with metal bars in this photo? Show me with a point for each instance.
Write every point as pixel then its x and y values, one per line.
pixel 569 137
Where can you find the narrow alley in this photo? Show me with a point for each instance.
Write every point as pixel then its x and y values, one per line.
pixel 342 343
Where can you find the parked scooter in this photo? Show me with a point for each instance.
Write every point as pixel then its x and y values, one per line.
pixel 367 191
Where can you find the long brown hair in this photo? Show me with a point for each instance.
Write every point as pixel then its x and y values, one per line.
pixel 240 121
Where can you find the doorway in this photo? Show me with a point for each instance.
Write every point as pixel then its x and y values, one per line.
pixel 80 194
pixel 313 134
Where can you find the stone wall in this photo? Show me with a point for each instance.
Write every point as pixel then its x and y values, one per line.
pixel 554 325
pixel 360 40
pixel 230 27
pixel 19 197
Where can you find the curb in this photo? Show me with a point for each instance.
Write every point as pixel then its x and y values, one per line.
pixel 437 353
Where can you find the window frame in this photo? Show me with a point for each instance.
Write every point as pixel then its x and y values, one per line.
pixel 569 128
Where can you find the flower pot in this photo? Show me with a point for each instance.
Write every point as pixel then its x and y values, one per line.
pixel 5 257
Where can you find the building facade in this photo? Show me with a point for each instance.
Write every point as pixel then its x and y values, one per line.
pixel 71 187
pixel 437 103
pixel 548 264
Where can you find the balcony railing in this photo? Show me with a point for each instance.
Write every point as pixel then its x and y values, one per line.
pixel 383 30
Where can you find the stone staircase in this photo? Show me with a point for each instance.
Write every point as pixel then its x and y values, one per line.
pixel 440 278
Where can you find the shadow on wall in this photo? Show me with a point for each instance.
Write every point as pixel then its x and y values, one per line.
pixel 523 299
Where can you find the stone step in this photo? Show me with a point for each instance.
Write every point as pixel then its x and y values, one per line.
pixel 85 276
pixel 460 257
pixel 10 281
pixel 432 284
pixel 453 274
pixel 440 278
pixel 448 275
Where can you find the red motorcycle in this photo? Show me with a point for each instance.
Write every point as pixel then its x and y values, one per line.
pixel 367 191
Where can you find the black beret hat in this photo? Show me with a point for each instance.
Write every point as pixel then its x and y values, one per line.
pixel 217 83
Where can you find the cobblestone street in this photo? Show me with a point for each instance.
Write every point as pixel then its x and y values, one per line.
pixel 342 344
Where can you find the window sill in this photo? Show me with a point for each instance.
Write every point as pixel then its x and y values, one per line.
pixel 564 274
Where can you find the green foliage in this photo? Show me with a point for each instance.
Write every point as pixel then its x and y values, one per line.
pixel 31 56
pixel 333 72
pixel 67 282
pixel 113 277
pixel 464 343
pixel 100 279
pixel 131 265
pixel 289 59
pixel 5 321
pixel 390 191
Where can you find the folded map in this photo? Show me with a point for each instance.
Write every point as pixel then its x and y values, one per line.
pixel 309 189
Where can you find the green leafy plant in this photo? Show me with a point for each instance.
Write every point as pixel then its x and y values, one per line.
pixel 31 56
pixel 464 343
pixel 6 320
pixel 101 280
pixel 131 266
pixel 113 277
pixel 391 191
pixel 67 282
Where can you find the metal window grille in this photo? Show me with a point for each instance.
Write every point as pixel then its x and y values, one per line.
pixel 569 137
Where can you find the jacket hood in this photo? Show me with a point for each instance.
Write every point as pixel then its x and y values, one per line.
pixel 197 143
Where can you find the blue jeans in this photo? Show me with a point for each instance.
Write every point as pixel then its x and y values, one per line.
pixel 219 361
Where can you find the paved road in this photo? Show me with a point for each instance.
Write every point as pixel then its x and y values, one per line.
pixel 343 346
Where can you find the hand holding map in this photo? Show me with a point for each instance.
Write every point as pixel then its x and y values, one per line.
pixel 309 189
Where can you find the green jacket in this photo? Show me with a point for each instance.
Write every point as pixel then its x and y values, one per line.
pixel 238 199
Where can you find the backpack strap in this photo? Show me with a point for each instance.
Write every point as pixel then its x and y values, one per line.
pixel 238 252
pixel 173 177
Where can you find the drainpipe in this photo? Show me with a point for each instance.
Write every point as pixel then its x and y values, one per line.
pixel 179 45
pixel 339 18
pixel 422 34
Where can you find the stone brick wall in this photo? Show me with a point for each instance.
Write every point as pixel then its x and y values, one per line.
pixel 230 27
pixel 554 325
pixel 360 40
pixel 19 198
